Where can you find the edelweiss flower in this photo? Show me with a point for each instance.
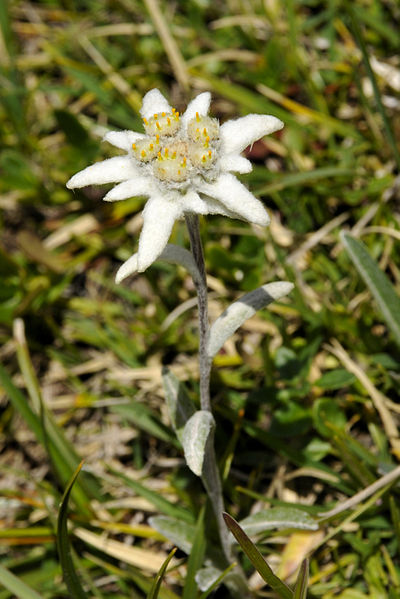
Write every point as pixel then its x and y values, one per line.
pixel 183 163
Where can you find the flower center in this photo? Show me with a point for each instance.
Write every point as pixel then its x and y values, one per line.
pixel 176 152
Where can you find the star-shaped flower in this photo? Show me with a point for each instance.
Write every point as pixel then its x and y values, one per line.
pixel 183 163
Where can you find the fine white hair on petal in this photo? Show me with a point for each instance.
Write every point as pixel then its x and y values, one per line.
pixel 200 104
pixel 112 170
pixel 215 207
pixel 237 134
pixel 153 103
pixel 237 198
pixel 238 164
pixel 192 202
pixel 159 216
pixel 139 186
pixel 122 139
pixel 127 268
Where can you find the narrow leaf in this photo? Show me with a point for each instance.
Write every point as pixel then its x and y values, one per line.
pixel 16 586
pixel 63 545
pixel 195 559
pixel 300 590
pixel 172 253
pixel 257 559
pixel 209 578
pixel 194 438
pixel 155 589
pixel 238 312
pixel 377 282
pixel 280 517
pixel 180 533
pixel 179 405
pixel 162 504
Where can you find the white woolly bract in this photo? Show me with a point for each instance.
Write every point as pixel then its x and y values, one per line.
pixel 182 164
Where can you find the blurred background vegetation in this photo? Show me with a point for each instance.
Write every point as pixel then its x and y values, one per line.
pixel 298 392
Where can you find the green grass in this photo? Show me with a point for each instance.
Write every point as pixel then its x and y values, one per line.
pixel 298 395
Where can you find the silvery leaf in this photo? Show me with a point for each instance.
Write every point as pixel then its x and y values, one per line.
pixel 279 517
pixel 242 309
pixel 179 404
pixel 180 533
pixel 206 577
pixel 172 253
pixel 194 438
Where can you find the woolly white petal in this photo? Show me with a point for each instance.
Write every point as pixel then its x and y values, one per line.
pixel 237 198
pixel 127 268
pixel 200 104
pixel 139 186
pixel 238 164
pixel 237 134
pixel 192 202
pixel 112 170
pixel 159 216
pixel 153 103
pixel 122 139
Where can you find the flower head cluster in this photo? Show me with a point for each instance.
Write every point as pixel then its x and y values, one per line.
pixel 183 163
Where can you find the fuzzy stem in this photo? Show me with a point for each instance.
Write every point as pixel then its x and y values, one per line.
pixel 192 222
pixel 211 477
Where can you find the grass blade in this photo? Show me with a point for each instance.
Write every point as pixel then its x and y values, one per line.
pixel 195 560
pixel 300 591
pixel 63 545
pixel 155 589
pixel 257 559
pixel 16 586
pixel 360 41
pixel 377 282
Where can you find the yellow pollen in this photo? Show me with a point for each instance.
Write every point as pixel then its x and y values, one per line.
pixel 157 138
pixel 163 114
pixel 174 155
pixel 179 172
pixel 158 125
pixel 173 110
pixel 197 130
pixel 169 122
pixel 155 116
pixel 205 132
pixel 146 122
pixel 184 161
pixel 159 155
pixel 143 154
pixel 207 139
pixel 151 147
pixel 133 146
pixel 197 117
pixel 166 152
pixel 177 114
pixel 203 158
pixel 209 153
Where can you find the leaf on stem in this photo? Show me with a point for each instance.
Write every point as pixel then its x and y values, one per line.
pixel 279 517
pixel 172 253
pixel 242 309
pixel 194 439
pixel 179 404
